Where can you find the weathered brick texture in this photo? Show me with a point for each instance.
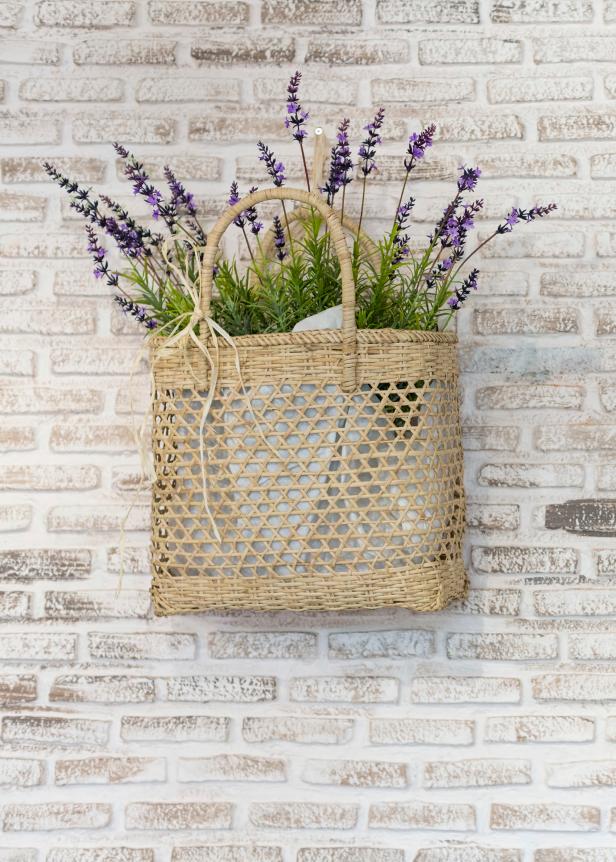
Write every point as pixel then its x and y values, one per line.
pixel 482 734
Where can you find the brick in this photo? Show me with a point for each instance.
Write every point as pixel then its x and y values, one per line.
pixel 603 165
pixel 575 49
pixel 28 169
pixel 179 815
pixel 262 645
pixel 97 519
pixel 138 646
pixel 72 13
pixel 227 853
pixel 581 602
pixel 316 88
pixel 477 772
pixel 476 50
pixel 531 475
pixel 260 48
pixel 489 437
pixel 337 51
pixel 479 127
pixel 543 244
pixel 344 689
pixel 311 12
pixel 465 689
pixel 605 322
pixel 49 399
pixel 109 770
pixel 421 731
pixel 593 646
pixel 30 51
pixel 545 817
pixel 600 773
pixel 534 360
pixel 15 517
pixel 539 396
pixel 592 283
pixel 17 363
pixel 467 853
pixel 125 52
pixel 524 561
pixel 345 854
pixel 30 646
pixel 492 516
pixel 231 767
pixel 49 477
pixel 406 643
pixel 606 562
pixel 424 12
pixel 133 560
pixel 96 604
pixel 525 321
pixel 14 605
pixel 421 815
pixel 54 245
pixel 585 517
pixel 10 14
pixel 585 437
pixel 101 854
pixel 585 688
pixel 309 730
pixel 18 854
pixel 17 439
pixel 71 90
pixel 422 91
pixel 76 688
pixel 51 730
pixel 46 816
pixel 502 647
pixel 610 730
pixel 49 564
pixel 174 728
pixel 92 438
pixel 186 167
pixel 206 13
pixel 540 89
pixel 493 602
pixel 221 689
pixel 303 815
pixel 17 207
pixel 21 772
pixel 606 245
pixel 232 127
pixel 539 728
pixel 541 12
pixel 17 282
pixel 356 773
pixel 607 396
pixel 575 854
pixel 131 128
pixel 92 360
pixel 20 127
pixel 187 89
pixel 529 165
pixel 589 126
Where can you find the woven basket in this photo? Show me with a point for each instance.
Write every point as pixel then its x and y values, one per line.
pixel 330 466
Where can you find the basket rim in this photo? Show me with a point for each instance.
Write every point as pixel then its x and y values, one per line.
pixel 333 336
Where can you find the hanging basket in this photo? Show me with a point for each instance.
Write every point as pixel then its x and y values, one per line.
pixel 314 471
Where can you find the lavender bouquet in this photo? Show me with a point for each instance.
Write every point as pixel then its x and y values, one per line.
pixel 400 282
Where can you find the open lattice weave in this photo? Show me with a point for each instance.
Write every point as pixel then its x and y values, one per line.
pixel 323 499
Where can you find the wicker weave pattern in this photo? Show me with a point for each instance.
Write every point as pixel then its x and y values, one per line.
pixel 326 496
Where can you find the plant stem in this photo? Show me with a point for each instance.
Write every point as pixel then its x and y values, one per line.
pixel 406 179
pixel 252 257
pixel 361 210
pixel 301 146
pixel 474 251
pixel 286 218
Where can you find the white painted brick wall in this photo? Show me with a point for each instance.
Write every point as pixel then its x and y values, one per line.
pixel 483 734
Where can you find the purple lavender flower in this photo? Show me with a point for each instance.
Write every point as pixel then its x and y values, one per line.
pixel 136 311
pixel 279 240
pixel 296 116
pixel 340 163
pixel 101 269
pixel 180 198
pixel 232 200
pixel 518 215
pixel 275 169
pixel 251 216
pixel 461 294
pixel 418 144
pixel 135 172
pixel 456 229
pixel 367 151
pixel 468 179
pixel 401 239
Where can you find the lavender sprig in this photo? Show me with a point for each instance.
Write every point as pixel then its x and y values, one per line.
pixel 251 216
pixel 101 268
pixel 135 172
pixel 279 241
pixel 296 118
pixel 367 150
pixel 340 165
pixel 401 239
pixel 517 215
pixel 274 168
pixel 462 293
pixel 180 198
pixel 136 311
pixel 415 151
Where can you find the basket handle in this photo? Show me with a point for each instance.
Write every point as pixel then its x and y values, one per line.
pixel 349 328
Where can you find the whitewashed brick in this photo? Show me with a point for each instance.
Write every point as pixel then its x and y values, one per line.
pixel 540 12
pixel 21 772
pixel 345 689
pixel 223 689
pixel 109 770
pixel 421 731
pixel 48 816
pixel 586 688
pixel 465 689
pixel 231 767
pixel 262 645
pixel 174 728
pixel 164 816
pixel 492 516
pixel 531 475
pixel 46 730
pixel 381 644
pixel 423 12
pixel 575 49
pixel 303 815
pixel 540 89
pixel 307 730
pixel 29 646
pixel 481 772
pixel 355 773
pixel 114 52
pixel 545 817
pixel 539 728
pixel 538 396
pixel 421 815
pixel 71 13
pixel 502 647
pixel 71 90
pixel 600 773
pixel 199 13
pixel 580 602
pixel 476 50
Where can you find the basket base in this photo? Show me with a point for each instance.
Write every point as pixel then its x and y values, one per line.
pixel 425 589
